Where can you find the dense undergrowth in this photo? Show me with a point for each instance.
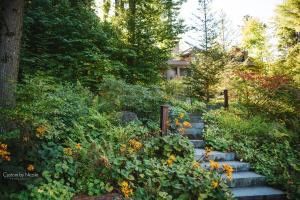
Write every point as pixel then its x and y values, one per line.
pixel 269 146
pixel 76 144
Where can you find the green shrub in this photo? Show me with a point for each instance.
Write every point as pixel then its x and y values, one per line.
pixel 63 134
pixel 120 96
pixel 268 146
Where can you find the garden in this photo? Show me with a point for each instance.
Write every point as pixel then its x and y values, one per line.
pixel 80 110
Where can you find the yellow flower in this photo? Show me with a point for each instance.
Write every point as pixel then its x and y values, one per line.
pixel 170 162
pixel 136 145
pixel 228 170
pixel 181 116
pixel 195 165
pixel 207 151
pixel 4 153
pixel 187 124
pixel 124 184
pixel 214 165
pixel 123 148
pixel 78 146
pixel 215 184
pixel 30 168
pixel 68 151
pixel 126 190
pixel 172 157
pixel 177 123
pixel 40 131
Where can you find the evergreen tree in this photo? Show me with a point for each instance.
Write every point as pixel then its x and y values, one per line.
pixel 226 34
pixel 288 24
pixel 255 39
pixel 204 73
pixel 288 31
pixel 205 27
pixel 150 29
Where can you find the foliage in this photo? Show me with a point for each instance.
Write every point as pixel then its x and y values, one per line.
pixel 274 95
pixel 269 146
pixel 204 74
pixel 254 38
pixel 150 29
pixel 74 147
pixel 118 95
pixel 205 26
pixel 68 41
pixel 287 23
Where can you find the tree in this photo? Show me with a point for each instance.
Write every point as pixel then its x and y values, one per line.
pixel 204 27
pixel 288 24
pixel 255 39
pixel 288 30
pixel 150 29
pixel 204 74
pixel 226 34
pixel 11 34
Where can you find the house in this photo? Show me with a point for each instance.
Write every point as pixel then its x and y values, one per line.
pixel 179 63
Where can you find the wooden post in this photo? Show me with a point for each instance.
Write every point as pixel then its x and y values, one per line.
pixel 164 114
pixel 226 104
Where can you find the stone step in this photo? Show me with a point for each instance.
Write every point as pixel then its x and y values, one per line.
pixel 258 193
pixel 198 143
pixel 194 131
pixel 195 119
pixel 214 155
pixel 245 179
pixel 198 125
pixel 236 165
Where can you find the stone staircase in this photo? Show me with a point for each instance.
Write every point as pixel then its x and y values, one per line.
pixel 245 185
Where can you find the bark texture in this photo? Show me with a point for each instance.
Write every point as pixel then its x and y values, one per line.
pixel 10 44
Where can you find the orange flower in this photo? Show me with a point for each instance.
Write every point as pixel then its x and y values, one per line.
pixel 4 153
pixel 215 184
pixel 40 131
pixel 171 160
pixel 207 151
pixel 187 124
pixel 177 123
pixel 195 165
pixel 214 165
pixel 125 188
pixel 136 145
pixel 78 146
pixel 228 170
pixel 30 168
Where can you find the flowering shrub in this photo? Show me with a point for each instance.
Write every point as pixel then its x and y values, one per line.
pixel 274 95
pixel 75 148
pixel 268 146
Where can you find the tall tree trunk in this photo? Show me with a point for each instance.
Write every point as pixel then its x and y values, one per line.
pixel 10 43
pixel 117 7
pixel 132 21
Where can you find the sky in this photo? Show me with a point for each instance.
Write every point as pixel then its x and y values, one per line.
pixel 235 10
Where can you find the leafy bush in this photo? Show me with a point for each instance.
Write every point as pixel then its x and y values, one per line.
pixel 118 95
pixel 64 136
pixel 269 146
